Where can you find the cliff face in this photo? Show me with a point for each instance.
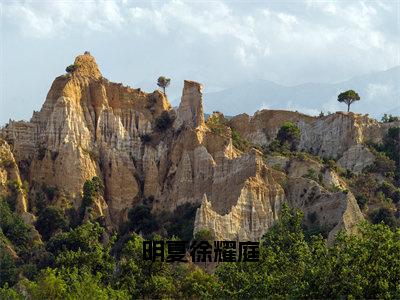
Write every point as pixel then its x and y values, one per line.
pixel 142 149
pixel 339 136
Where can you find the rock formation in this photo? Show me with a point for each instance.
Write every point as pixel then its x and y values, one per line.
pixel 142 149
pixel 190 111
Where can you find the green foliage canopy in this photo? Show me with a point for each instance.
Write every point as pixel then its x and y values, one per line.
pixel 348 97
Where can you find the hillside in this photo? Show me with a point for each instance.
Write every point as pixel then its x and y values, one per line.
pixel 99 152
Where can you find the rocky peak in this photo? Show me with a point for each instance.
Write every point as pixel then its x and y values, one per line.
pixel 190 111
pixel 87 66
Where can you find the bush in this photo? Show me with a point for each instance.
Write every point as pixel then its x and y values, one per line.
pixel 163 122
pixel 218 124
pixel 15 189
pixel 91 188
pixel 50 191
pixel 142 220
pixel 384 215
pixel 13 227
pixel 145 138
pixel 181 222
pixel 312 174
pixel 289 133
pixel 382 164
pixel 362 200
pixel 41 153
pixel 389 118
pixel 51 220
pixel 204 235
pixel 238 142
pixel 390 191
pixel 71 68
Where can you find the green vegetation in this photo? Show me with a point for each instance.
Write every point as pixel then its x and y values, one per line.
pixel 295 262
pixel 239 142
pixel 292 267
pixel 217 123
pixel 286 142
pixel 15 189
pixel 6 160
pixel 91 189
pixel 348 97
pixel 141 220
pixel 50 220
pixel 204 235
pixel 71 68
pixel 178 223
pixel 389 118
pixel 164 121
pixel 145 138
pixel 289 134
pixel 387 155
pixel 163 82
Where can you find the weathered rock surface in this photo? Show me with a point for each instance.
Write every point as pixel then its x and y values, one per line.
pixel 142 149
pixel 10 180
pixel 190 111
pixel 334 211
pixel 334 136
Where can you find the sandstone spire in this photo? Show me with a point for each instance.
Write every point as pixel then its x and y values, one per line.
pixel 87 66
pixel 190 111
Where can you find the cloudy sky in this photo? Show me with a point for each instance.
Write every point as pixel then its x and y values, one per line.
pixel 218 43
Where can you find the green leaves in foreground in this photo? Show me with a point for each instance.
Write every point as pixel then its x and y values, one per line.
pixel 88 266
pixel 362 266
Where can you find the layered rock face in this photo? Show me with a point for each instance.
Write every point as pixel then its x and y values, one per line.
pixel 339 136
pixel 141 149
pixel 87 127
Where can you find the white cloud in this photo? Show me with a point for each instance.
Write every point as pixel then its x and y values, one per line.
pixel 221 43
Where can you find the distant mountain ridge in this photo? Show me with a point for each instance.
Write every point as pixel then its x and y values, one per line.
pixel 379 92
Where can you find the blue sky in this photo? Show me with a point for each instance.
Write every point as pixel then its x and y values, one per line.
pixel 218 43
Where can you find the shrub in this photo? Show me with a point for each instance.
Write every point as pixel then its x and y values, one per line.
pixel 311 174
pixel 332 165
pixel 91 188
pixel 204 235
pixel 13 227
pixel 142 220
pixel 50 191
pixel 50 220
pixel 289 133
pixel 389 118
pixel 145 138
pixel 217 123
pixel 362 200
pixel 71 68
pixel 15 188
pixel 382 165
pixel 41 153
pixel 181 222
pixel 384 215
pixel 390 191
pixel 238 142
pixel 164 121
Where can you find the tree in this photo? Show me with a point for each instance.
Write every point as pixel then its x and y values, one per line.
pixel 142 220
pixel 348 97
pixel 163 82
pixel 50 220
pixel 389 118
pixel 289 133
